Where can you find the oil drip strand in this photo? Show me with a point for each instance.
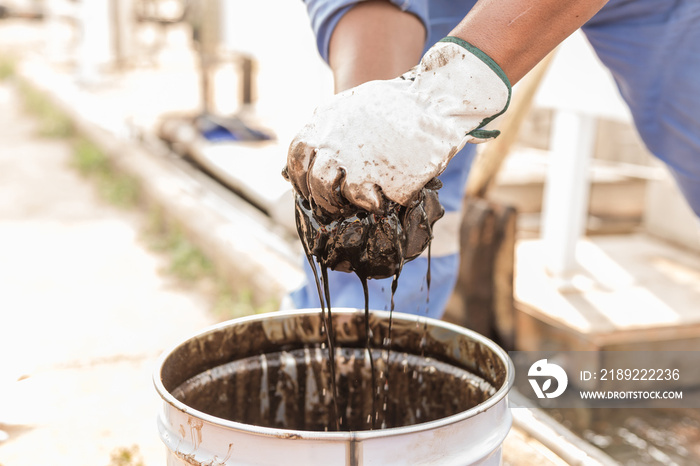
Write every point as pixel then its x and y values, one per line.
pixel 327 322
pixel 372 245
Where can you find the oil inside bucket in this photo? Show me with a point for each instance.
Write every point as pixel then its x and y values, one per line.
pixel 277 376
pixel 286 390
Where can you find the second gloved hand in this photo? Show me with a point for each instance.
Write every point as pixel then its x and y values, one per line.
pixel 387 139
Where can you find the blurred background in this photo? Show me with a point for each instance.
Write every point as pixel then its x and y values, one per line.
pixel 141 145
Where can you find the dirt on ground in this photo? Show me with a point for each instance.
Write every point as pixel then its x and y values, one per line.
pixel 86 311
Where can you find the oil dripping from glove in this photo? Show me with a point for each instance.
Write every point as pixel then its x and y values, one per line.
pixel 372 246
pixel 369 244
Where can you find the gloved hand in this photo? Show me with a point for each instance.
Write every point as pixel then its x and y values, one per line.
pixel 388 139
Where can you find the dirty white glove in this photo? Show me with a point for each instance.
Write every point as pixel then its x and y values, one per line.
pixel 394 136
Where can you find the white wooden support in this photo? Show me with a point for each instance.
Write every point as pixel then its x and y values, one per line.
pixel 124 31
pixel 565 203
pixel 95 44
pixel 229 25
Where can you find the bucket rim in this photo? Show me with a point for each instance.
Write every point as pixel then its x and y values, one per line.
pixel 498 397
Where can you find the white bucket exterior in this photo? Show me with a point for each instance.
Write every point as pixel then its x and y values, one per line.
pixel 472 437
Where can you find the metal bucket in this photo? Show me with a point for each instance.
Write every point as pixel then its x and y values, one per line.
pixel 256 391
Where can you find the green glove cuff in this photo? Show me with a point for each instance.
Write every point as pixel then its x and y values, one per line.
pixel 482 133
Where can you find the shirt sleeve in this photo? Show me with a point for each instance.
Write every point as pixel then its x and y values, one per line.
pixel 325 14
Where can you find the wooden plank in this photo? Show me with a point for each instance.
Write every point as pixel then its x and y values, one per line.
pixel 483 296
pixel 634 292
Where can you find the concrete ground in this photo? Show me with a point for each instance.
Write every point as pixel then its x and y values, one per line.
pixel 85 311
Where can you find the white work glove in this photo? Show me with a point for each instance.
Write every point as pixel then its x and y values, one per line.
pixel 392 137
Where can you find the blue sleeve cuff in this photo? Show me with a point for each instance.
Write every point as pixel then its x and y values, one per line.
pixel 325 14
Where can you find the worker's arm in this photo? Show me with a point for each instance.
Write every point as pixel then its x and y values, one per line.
pixel 385 139
pixel 518 34
pixel 374 40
